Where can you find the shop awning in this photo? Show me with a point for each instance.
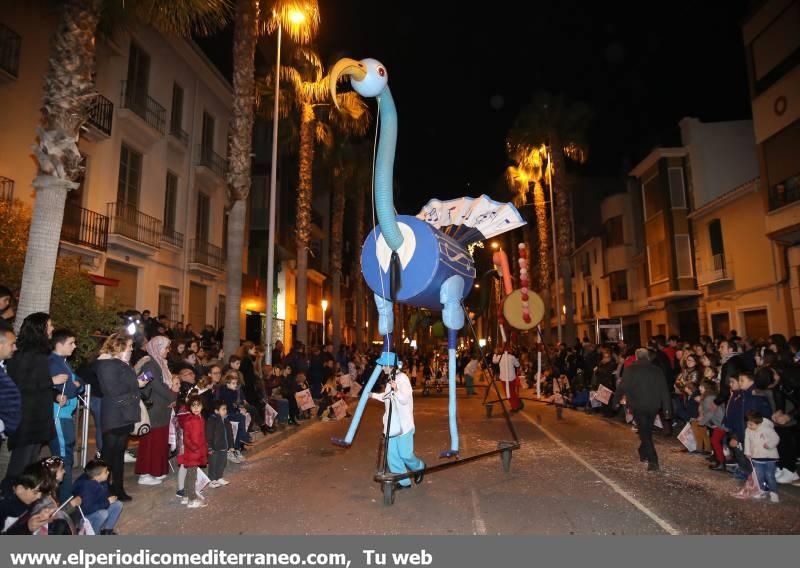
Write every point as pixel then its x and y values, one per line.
pixel 98 280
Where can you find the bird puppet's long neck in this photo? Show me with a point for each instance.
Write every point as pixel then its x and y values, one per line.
pixel 384 170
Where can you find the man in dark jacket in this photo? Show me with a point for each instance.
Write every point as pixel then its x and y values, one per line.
pixel 10 399
pixel 645 390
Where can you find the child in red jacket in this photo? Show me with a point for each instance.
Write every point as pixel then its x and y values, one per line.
pixel 192 450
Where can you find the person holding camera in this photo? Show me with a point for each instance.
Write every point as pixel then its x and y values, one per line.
pixel 645 389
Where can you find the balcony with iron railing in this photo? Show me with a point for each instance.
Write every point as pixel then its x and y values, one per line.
pixel 179 134
pixel 145 107
pixel 785 192
pixel 128 222
pixel 6 189
pixel 203 256
pixel 714 270
pixel 10 44
pixel 84 227
pixel 211 161
pixel 101 116
pixel 172 237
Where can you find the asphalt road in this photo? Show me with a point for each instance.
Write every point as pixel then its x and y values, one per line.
pixel 576 475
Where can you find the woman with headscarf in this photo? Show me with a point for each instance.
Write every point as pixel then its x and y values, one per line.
pixel 152 459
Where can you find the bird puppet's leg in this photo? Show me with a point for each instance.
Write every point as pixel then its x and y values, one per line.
pixel 387 358
pixel 450 295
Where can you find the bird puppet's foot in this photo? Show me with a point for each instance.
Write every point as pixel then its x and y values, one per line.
pixel 448 454
pixel 341 442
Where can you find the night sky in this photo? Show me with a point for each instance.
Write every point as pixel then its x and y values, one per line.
pixel 459 75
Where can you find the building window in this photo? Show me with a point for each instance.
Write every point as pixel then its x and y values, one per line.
pixel 225 232
pixel 651 198
pixel 168 303
pixel 677 194
pixel 203 212
pixel 176 118
pixel 130 177
pixel 783 172
pixel 618 282
pixel 207 141
pixel 657 262
pixel 683 254
pixel 717 246
pixel 170 202
pixel 138 79
pixel 614 233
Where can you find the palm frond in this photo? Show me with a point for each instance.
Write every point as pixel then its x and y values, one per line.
pixel 181 17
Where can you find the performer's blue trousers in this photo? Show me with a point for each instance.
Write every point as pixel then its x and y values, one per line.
pixel 401 456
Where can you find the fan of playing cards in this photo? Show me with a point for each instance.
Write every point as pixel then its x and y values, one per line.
pixel 469 219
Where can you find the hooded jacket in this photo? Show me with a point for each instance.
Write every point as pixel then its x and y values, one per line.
pixel 192 444
pixel 762 443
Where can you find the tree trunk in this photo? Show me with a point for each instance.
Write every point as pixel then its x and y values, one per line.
pixel 303 230
pixel 233 287
pixel 359 291
pixel 564 236
pixel 67 94
pixel 543 234
pixel 239 149
pixel 337 229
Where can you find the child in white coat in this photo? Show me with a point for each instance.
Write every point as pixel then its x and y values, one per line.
pixel 761 447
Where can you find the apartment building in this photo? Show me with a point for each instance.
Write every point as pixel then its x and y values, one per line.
pixel 771 35
pixel 148 220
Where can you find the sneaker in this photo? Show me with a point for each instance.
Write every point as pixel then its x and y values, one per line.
pixel 773 497
pixel 162 477
pixel 197 504
pixel 239 456
pixel 180 493
pixel 214 484
pixel 148 480
pixel 97 455
pixel 760 496
pixel 185 501
pixel 788 477
pixel 222 481
pixel 232 456
pixel 129 457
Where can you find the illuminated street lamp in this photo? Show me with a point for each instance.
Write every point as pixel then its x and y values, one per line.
pixel 324 308
pixel 301 20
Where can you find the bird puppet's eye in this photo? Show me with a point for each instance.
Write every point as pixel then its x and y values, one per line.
pixel 381 71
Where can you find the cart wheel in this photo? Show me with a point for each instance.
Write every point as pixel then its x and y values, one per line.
pixel 388 493
pixel 506 457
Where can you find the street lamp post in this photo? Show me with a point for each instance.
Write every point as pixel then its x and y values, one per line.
pixel 302 22
pixel 555 252
pixel 272 192
pixel 324 309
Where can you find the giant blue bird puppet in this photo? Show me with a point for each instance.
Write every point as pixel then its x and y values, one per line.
pixel 425 257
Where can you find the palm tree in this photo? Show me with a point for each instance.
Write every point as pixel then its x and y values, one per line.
pixel 561 126
pixel 350 176
pixel 317 117
pixel 66 100
pixel 529 170
pixel 239 148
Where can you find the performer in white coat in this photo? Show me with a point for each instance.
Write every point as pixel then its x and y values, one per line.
pixel 401 455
